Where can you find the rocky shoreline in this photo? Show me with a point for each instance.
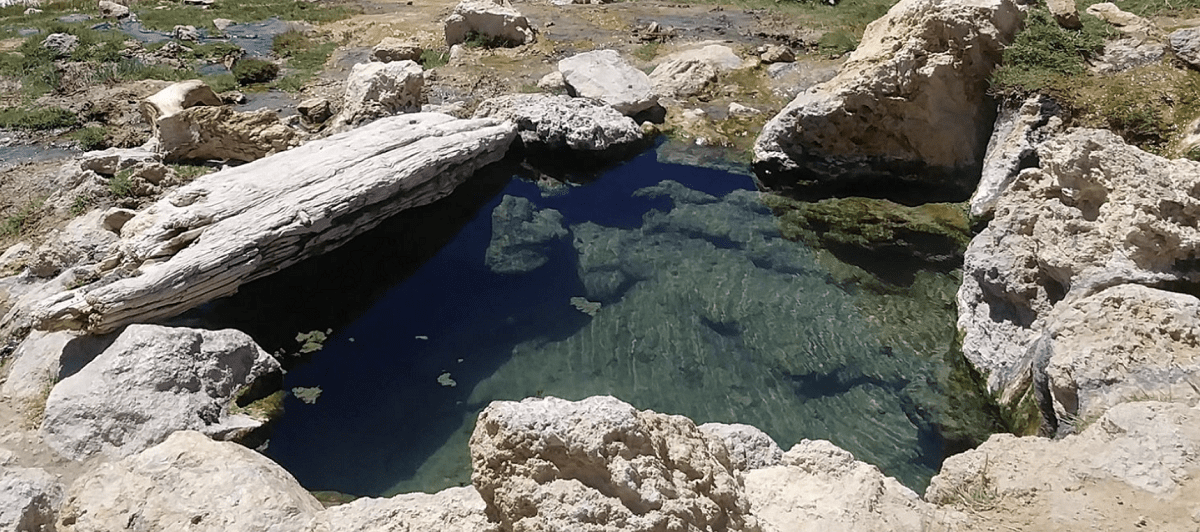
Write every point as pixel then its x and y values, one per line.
pixel 1078 304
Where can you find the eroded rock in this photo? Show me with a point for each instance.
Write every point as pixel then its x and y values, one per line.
pixel 375 90
pixel 450 510
pixel 1185 44
pixel 550 123
pixel 394 49
pixel 690 72
pixel 522 236
pixel 1021 126
pixel 29 499
pixel 220 133
pixel 604 75
pixel 495 20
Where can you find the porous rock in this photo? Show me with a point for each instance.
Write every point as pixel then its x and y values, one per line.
pixel 29 499
pixel 375 90
pixel 188 483
pixel 394 49
pixel 315 110
pixel 548 122
pixel 749 448
pixel 208 237
pixel 1096 213
pixel 604 75
pixel 449 510
pixel 150 382
pixel 911 101
pixel 689 72
pixel 61 44
pixel 220 133
pixel 496 20
pixel 1020 127
pixel 521 236
pixel 600 465
pixel 1185 44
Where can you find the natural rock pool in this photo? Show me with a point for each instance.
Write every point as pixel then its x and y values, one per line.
pixel 667 286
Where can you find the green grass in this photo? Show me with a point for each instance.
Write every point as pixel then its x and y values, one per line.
pixel 242 11
pixel 221 82
pixel 37 119
pixel 188 172
pixel 843 23
pixel 433 59
pixel 251 70
pixel 121 184
pixel 1150 8
pixel 647 52
pixel 91 138
pixel 305 57
pixel 15 224
pixel 1044 54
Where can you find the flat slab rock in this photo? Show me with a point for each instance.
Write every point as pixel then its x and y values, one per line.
pixel 207 238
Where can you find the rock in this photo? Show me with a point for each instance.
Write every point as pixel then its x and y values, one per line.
pixel 1185 44
pixel 1123 21
pixel 61 44
pixel 115 218
pixel 32 11
pixel 177 97
pixel 749 448
pixel 36 365
pixel 776 53
pixel 393 49
pixel 14 258
pixel 220 133
pixel 604 75
pixel 112 160
pixel 150 382
pixel 689 72
pixel 233 98
pixel 222 24
pixel 83 240
pixel 911 101
pixel 1096 213
pixel 495 20
pixel 738 110
pixel 789 79
pixel 599 464
pixel 551 123
pixel 1136 459
pixel 29 499
pixel 109 9
pixel 315 110
pixel 375 90
pixel 553 82
pixel 188 483
pixel 1125 343
pixel 819 487
pixel 1125 54
pixel 1020 127
pixel 450 510
pixel 1065 14
pixel 186 33
pixel 521 236
pixel 205 239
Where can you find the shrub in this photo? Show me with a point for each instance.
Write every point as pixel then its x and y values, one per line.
pixel 251 70
pixel 91 138
pixel 433 59
pixel 1045 52
pixel 120 185
pixel 221 82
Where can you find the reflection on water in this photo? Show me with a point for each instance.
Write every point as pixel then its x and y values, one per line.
pixel 666 286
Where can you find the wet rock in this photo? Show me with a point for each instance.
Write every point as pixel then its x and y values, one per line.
pixel 186 33
pixel 1125 54
pixel 521 236
pixel 749 448
pixel 315 110
pixel 61 44
pixel 776 53
pixel 450 510
pixel 220 133
pixel 689 72
pixel 224 229
pixel 1096 213
pixel 110 9
pixel 1185 44
pixel 393 49
pixel 599 464
pixel 189 483
pixel 1065 14
pixel 29 499
pixel 1020 127
pixel 910 102
pixel 150 382
pixel 549 123
pixel 375 90
pixel 495 20
pixel 604 75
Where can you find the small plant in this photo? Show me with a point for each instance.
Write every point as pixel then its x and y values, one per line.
pixel 433 59
pixel 478 40
pixel 221 82
pixel 647 51
pixel 1045 52
pixel 121 184
pixel 251 70
pixel 91 138
pixel 188 172
pixel 15 224
pixel 837 42
pixel 81 204
pixel 37 119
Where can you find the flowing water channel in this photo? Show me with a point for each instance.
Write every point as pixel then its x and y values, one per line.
pixel 667 286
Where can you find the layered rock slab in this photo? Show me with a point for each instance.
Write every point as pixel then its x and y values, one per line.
pixel 151 382
pixel 911 101
pixel 188 483
pixel 207 238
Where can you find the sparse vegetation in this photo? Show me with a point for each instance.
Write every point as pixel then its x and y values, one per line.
pixel 15 224
pixel 91 138
pixel 305 56
pixel 252 70
pixel 1044 55
pixel 479 40
pixel 121 184
pixel 433 59
pixel 242 11
pixel 188 172
pixel 221 82
pixel 647 52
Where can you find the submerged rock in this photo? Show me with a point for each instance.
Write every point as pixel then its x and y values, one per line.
pixel 521 236
pixel 188 483
pixel 911 103
pixel 150 382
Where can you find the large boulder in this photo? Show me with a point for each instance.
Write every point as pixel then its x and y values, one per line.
pixel 599 464
pixel 450 510
pixel 1096 213
pixel 190 124
pixel 29 499
pixel 375 90
pixel 208 237
pixel 177 97
pixel 150 382
pixel 690 72
pixel 605 76
pixel 910 103
pixel 37 363
pixel 553 123
pixel 494 20
pixel 188 483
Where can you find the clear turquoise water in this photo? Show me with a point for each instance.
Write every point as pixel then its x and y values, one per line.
pixel 703 311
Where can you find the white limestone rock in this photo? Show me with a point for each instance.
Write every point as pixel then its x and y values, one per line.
pixel 61 44
pixel 150 382
pixel 601 465
pixel 689 72
pixel 220 133
pixel 394 49
pixel 37 363
pixel 604 75
pixel 547 122
pixel 911 101
pixel 29 499
pixel 749 448
pixel 188 483
pixel 449 510
pixel 177 97
pixel 375 90
pixel 1021 126
pixel 1185 44
pixel 208 237
pixel 1124 21
pixel 1065 13
pixel 110 9
pixel 493 19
